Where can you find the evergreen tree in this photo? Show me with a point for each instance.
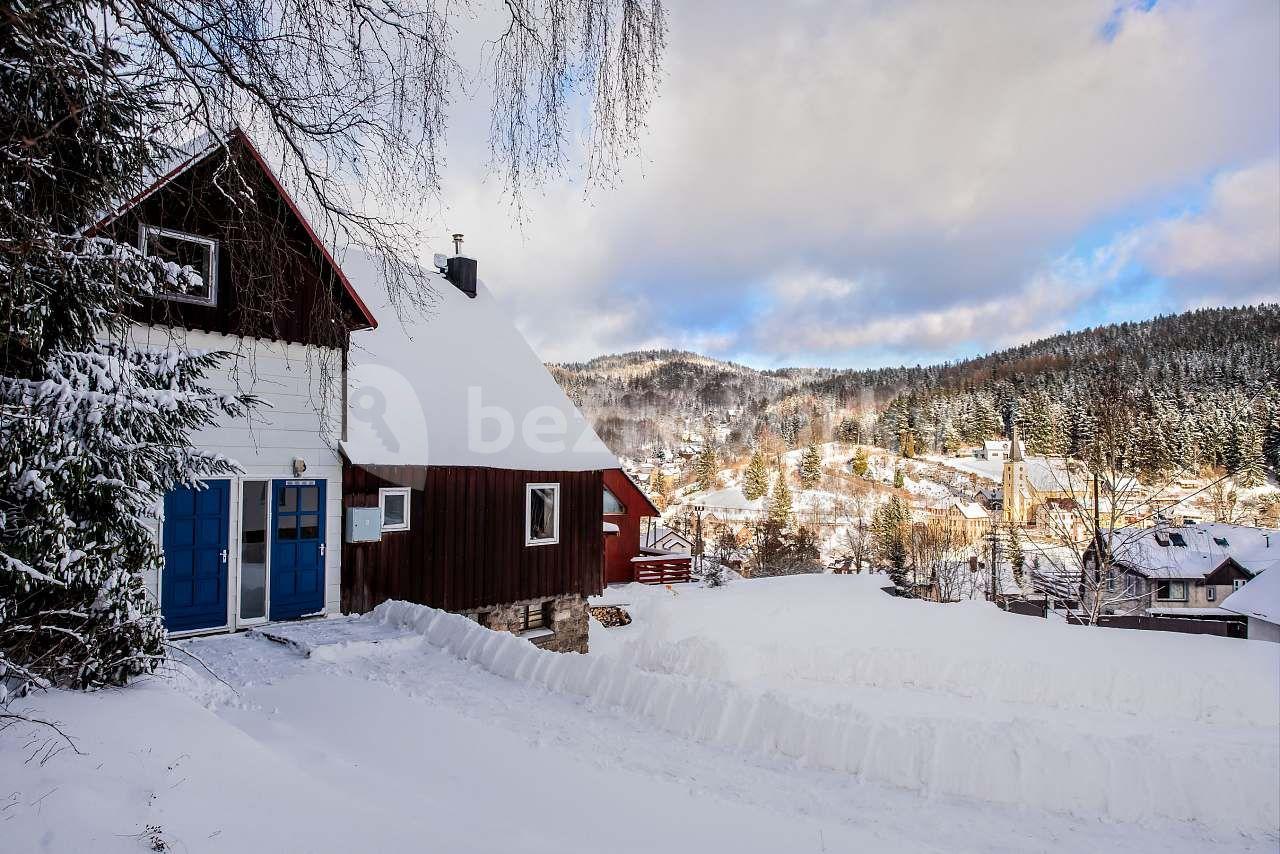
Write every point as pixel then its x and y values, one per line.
pixel 889 525
pixel 899 479
pixel 659 488
pixel 779 506
pixel 1013 545
pixel 706 467
pixel 755 481
pixel 1250 465
pixel 810 467
pixel 861 465
pixel 92 429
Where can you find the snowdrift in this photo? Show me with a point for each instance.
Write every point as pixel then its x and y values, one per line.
pixel 1079 763
pixel 842 632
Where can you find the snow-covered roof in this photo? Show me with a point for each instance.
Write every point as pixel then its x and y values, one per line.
pixel 456 384
pixel 1175 611
pixel 1259 598
pixel 729 498
pixel 1194 551
pixel 968 509
pixel 995 445
pixel 610 528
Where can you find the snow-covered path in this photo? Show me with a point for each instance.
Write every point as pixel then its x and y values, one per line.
pixel 402 746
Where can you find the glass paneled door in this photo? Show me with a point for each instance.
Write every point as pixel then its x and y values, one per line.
pixel 297 548
pixel 253 551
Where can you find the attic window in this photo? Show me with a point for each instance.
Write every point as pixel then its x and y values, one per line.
pixel 612 506
pixel 541 514
pixel 192 269
pixel 1222 541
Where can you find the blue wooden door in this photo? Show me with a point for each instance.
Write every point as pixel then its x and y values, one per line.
pixel 297 548
pixel 193 589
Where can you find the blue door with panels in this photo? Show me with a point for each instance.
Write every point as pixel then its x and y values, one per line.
pixel 297 548
pixel 193 588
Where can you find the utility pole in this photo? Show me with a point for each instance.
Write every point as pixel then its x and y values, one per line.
pixel 992 587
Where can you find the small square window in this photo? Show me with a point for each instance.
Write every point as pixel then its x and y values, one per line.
pixel 192 274
pixel 542 514
pixel 394 503
pixel 1211 593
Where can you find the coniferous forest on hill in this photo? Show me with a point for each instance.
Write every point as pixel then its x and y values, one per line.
pixel 1198 389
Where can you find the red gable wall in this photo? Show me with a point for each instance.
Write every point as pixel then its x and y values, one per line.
pixel 620 548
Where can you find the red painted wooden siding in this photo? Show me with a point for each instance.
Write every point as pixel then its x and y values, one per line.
pixel 465 544
pixel 620 549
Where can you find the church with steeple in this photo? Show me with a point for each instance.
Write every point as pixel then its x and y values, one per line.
pixel 1017 497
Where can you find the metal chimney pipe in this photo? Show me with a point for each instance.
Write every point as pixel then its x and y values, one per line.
pixel 457 244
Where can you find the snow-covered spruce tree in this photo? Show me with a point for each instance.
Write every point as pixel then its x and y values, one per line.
pixel 811 467
pixel 779 505
pixel 890 524
pixel 92 431
pixel 861 465
pixel 706 467
pixel 755 481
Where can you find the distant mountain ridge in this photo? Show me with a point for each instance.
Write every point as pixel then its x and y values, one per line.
pixel 1208 377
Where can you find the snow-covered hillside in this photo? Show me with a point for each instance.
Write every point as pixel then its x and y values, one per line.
pixel 798 714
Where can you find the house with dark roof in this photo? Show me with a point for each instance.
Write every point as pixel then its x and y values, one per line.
pixel 1188 570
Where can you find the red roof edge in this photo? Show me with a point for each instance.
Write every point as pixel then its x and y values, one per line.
pixel 237 133
pixel 639 491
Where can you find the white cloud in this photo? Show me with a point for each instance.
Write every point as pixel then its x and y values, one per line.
pixel 925 159
pixel 1232 247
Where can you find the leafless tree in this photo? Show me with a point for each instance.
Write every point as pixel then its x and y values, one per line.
pixel 937 560
pixel 1090 536
pixel 349 97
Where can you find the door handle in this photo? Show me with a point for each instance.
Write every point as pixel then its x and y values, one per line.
pixel 322 550
pixel 224 555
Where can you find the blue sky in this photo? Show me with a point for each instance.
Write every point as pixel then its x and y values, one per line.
pixel 846 183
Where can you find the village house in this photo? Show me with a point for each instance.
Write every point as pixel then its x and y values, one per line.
pixel 627 511
pixel 263 544
pixel 659 539
pixel 1185 571
pixel 968 521
pixel 472 483
pixel 993 449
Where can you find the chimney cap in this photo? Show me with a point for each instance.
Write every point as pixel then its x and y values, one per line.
pixel 457 243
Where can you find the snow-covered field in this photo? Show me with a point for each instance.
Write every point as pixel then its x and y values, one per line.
pixel 809 713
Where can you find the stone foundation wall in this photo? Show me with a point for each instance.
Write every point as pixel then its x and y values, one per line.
pixel 564 621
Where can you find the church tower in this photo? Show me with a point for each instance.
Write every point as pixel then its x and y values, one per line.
pixel 1014 483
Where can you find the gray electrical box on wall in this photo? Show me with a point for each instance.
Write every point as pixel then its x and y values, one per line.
pixel 364 524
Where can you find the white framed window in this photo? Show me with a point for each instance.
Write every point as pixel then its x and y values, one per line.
pixel 1171 591
pixel 1211 593
pixel 183 250
pixel 394 504
pixel 541 514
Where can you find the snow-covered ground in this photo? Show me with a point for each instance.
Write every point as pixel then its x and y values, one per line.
pixel 810 713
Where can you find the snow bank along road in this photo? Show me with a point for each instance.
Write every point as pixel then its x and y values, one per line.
pixel 748 719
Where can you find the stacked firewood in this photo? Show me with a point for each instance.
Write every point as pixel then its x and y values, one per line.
pixel 611 615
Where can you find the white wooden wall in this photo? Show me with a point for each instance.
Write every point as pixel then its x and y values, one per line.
pixel 303 419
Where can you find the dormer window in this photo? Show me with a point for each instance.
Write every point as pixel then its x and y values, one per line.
pixel 191 270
